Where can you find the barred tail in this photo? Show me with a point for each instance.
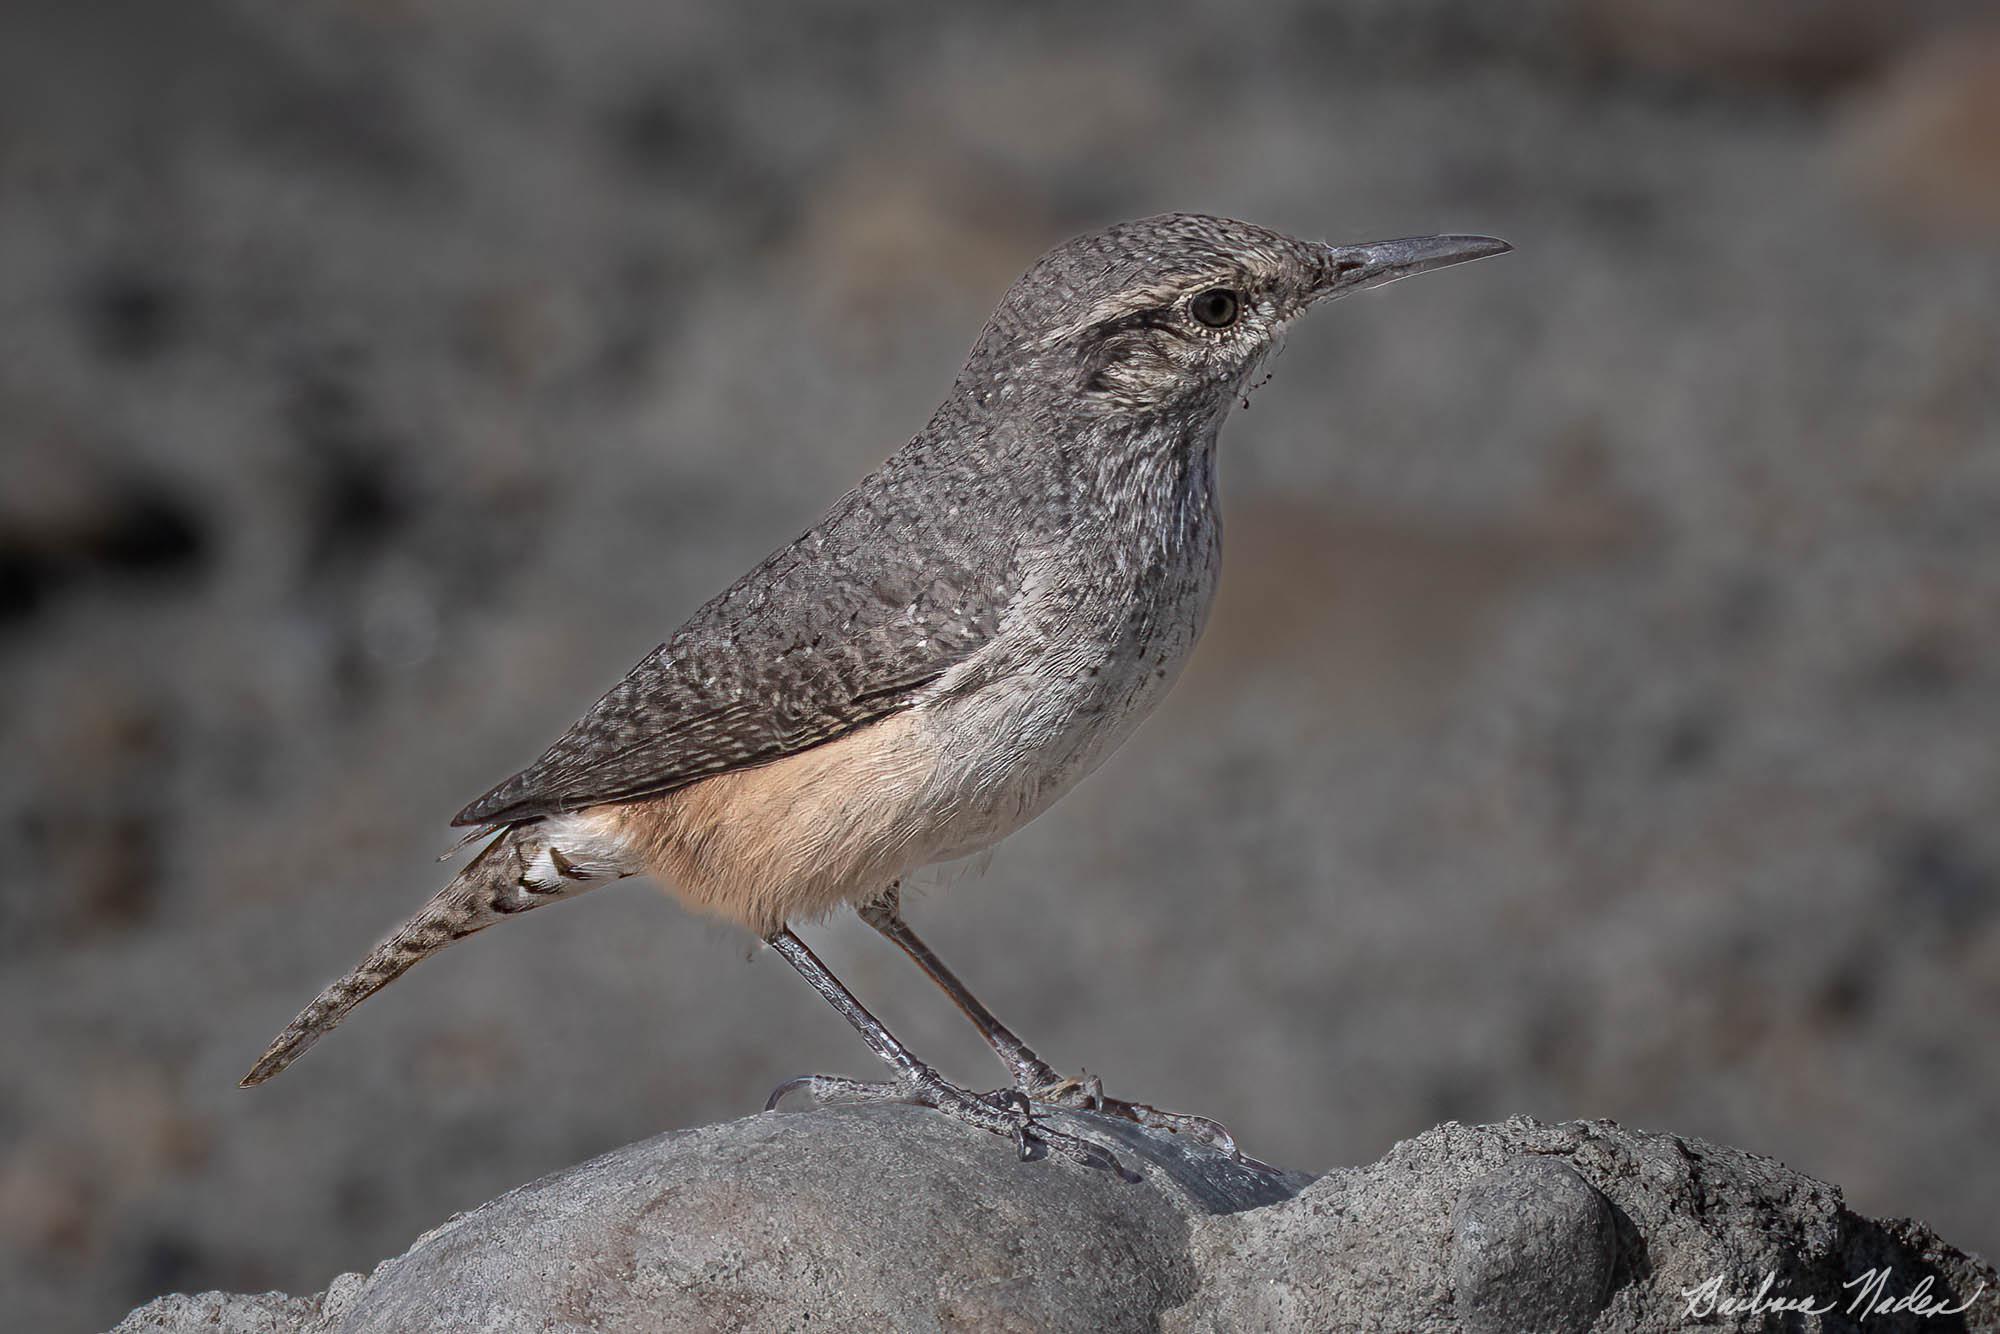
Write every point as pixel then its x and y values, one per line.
pixel 495 884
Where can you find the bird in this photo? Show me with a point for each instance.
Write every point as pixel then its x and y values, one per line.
pixel 941 656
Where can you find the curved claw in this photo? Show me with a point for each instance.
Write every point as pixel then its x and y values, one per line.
pixel 1030 1134
pixel 1212 1133
pixel 789 1086
pixel 1033 1135
pixel 1011 1100
pixel 1016 1102
pixel 1092 1088
pixel 836 1088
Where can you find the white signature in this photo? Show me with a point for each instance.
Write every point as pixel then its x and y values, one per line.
pixel 1871 1296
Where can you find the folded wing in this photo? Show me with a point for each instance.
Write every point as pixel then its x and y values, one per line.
pixel 841 627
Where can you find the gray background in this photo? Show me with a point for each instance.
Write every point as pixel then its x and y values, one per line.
pixel 1598 718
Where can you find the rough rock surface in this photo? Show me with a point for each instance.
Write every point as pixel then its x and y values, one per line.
pixel 1584 1225
pixel 891 1217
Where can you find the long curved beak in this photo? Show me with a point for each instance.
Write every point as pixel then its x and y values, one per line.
pixel 1351 268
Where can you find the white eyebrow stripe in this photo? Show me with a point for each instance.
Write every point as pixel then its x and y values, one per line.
pixel 1135 299
pixel 1116 306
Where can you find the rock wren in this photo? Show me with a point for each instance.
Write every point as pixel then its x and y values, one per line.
pixel 951 647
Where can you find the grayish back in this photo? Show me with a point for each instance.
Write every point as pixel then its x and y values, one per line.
pixel 1037 506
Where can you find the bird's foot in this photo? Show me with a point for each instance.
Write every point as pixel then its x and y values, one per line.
pixel 1086 1092
pixel 1006 1112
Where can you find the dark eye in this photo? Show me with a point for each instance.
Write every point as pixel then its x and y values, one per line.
pixel 1217 307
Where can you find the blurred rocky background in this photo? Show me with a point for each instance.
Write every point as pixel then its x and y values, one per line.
pixel 1598 719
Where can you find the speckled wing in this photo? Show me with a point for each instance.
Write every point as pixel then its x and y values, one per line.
pixel 839 628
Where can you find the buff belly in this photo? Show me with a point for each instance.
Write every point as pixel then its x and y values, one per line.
pixel 796 838
pixel 950 776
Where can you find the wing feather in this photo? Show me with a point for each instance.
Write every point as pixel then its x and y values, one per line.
pixel 839 628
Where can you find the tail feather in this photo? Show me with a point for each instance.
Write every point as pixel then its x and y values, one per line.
pixel 495 884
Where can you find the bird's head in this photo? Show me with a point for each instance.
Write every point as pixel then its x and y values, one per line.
pixel 1173 313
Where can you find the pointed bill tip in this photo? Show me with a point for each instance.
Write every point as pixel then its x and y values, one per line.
pixel 1352 268
pixel 1480 247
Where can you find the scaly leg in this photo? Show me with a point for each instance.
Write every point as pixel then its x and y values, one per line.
pixel 1033 1076
pixel 1008 1114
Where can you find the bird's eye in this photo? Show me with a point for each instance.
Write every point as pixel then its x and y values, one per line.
pixel 1217 307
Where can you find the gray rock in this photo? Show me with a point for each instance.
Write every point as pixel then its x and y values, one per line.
pixel 859 1218
pixel 1582 1225
pixel 244 1313
pixel 1533 1246
pixel 845 1218
pixel 891 1217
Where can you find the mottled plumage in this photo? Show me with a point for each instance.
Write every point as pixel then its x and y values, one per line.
pixel 948 650
pixel 908 575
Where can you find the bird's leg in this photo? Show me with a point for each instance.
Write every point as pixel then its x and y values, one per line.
pixel 1033 1076
pixel 1008 1113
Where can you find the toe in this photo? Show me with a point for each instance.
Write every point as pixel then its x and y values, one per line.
pixel 789 1086
pixel 823 1089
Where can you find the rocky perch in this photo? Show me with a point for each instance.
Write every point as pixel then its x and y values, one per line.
pixel 893 1217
